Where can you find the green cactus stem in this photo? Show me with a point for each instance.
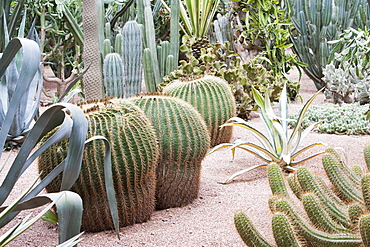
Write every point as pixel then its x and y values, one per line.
pixel 309 184
pixel 354 212
pixel 366 190
pixel 114 84
pixel 318 216
pixel 213 98
pixel 134 158
pixel 294 186
pixel 313 235
pixel 183 140
pixel 148 71
pixel 132 57
pixel 283 231
pixel 367 155
pixel 340 180
pixel 247 231
pixel 365 229
pixel 276 181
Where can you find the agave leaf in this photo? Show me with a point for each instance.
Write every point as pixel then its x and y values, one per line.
pixel 69 208
pixel 31 51
pixel 283 110
pixel 241 172
pixel 242 123
pixel 305 149
pixel 257 151
pixel 108 179
pixel 301 116
pixel 72 241
pixel 302 136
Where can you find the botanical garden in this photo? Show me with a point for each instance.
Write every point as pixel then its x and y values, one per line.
pixel 185 123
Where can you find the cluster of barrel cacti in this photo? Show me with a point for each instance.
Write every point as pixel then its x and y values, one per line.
pixel 337 215
pixel 156 158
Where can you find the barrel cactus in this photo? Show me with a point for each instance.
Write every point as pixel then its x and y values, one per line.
pixel 183 141
pixel 134 158
pixel 213 98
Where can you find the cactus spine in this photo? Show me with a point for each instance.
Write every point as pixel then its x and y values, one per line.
pixel 113 76
pixel 134 159
pixel 331 221
pixel 183 141
pixel 132 57
pixel 213 98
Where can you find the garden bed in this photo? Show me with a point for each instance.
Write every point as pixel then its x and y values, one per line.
pixel 208 221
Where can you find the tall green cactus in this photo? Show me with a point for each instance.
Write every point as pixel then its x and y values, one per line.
pixel 113 76
pixel 331 221
pixel 213 98
pixel 132 52
pixel 317 22
pixel 174 32
pixel 183 141
pixel 134 158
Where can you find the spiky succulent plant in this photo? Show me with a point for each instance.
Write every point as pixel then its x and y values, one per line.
pixel 183 141
pixel 134 160
pixel 333 216
pixel 213 98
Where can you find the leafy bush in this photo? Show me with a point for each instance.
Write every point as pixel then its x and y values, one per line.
pixel 347 119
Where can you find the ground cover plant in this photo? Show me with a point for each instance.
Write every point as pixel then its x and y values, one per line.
pixel 345 119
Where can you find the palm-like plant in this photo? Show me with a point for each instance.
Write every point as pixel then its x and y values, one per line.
pixel 279 145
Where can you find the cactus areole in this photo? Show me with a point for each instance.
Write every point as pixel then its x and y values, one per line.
pixel 213 98
pixel 183 141
pixel 134 159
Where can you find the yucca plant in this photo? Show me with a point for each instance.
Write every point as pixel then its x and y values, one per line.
pixel 278 145
pixel 68 204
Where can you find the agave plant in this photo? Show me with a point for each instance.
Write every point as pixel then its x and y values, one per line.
pixel 68 204
pixel 279 145
pixel 20 69
pixel 197 16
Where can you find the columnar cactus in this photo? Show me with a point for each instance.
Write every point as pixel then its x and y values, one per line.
pixel 334 219
pixel 183 141
pixel 134 158
pixel 113 76
pixel 132 57
pixel 213 98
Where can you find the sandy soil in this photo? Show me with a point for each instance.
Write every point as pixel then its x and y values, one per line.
pixel 208 221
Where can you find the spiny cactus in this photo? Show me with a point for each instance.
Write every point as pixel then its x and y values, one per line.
pixel 113 76
pixel 332 217
pixel 183 141
pixel 132 57
pixel 134 159
pixel 213 98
